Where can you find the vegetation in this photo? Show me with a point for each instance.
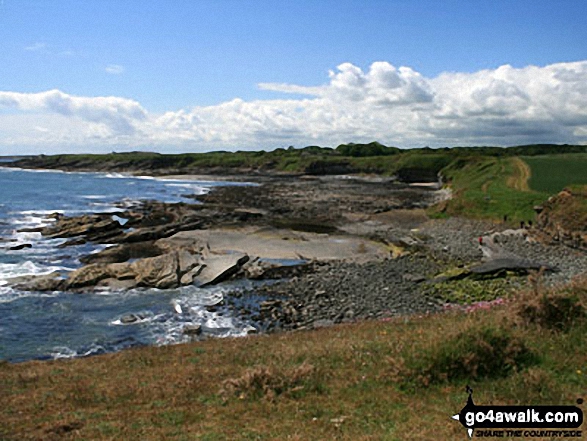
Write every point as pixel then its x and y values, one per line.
pixel 490 187
pixel 387 380
pixel 552 173
pixel 487 182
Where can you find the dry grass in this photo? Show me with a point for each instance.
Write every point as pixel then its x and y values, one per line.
pixel 268 383
pixel 333 383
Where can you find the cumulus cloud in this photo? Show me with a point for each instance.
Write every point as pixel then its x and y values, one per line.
pixel 397 106
pixel 118 116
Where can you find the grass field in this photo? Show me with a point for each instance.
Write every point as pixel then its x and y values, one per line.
pixel 380 380
pixel 551 173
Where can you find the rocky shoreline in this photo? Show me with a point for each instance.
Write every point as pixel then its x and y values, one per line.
pixel 341 248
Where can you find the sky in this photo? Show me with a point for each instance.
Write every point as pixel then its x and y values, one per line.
pixel 201 75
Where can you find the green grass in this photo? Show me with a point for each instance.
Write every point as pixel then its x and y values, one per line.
pixel 376 380
pixel 482 189
pixel 552 173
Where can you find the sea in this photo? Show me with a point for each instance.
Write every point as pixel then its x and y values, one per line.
pixel 52 325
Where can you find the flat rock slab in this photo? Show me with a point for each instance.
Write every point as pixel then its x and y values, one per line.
pixel 217 268
pixel 509 264
pixel 275 243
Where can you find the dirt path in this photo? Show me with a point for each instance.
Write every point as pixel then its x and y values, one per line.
pixel 519 180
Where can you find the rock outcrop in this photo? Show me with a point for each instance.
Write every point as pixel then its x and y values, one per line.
pixel 563 218
pixel 169 270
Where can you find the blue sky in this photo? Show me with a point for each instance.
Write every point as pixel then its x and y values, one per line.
pixel 164 75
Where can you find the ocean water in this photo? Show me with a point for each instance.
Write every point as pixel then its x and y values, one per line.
pixel 36 325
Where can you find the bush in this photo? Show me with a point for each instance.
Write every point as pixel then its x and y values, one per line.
pixel 480 351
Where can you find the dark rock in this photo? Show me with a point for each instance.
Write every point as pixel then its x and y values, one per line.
pixel 131 318
pixel 22 246
pixel 123 253
pixel 30 230
pixel 72 242
pixel 509 264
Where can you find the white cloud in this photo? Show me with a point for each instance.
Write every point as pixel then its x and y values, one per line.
pixel 397 106
pixel 114 69
pixel 119 116
pixel 36 47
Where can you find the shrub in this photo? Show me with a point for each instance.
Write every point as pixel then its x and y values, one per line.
pixel 479 351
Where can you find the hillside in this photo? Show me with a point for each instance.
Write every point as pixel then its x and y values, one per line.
pixel 399 379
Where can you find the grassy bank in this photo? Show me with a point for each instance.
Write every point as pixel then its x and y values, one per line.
pixel 491 187
pixel 394 380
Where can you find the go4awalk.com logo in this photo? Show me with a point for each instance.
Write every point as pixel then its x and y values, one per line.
pixel 520 421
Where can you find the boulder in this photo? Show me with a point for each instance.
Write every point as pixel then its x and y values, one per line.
pixel 131 318
pixel 90 275
pixel 165 271
pixel 157 272
pixel 192 330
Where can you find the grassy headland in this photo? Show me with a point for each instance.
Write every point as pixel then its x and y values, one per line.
pixel 395 380
pixel 488 182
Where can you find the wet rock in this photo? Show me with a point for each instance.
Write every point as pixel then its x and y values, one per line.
pixel 116 284
pixel 131 318
pixel 22 246
pixel 30 230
